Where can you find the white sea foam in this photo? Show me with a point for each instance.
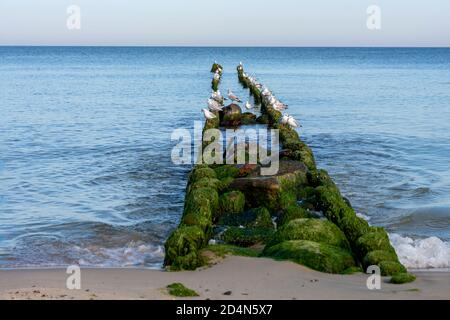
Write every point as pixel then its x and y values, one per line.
pixel 134 254
pixel 362 215
pixel 422 253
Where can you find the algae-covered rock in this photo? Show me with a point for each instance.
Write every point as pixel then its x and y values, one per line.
pixel 182 248
pixel 246 237
pixel 389 268
pixel 216 67
pixel 292 212
pixel 211 124
pixel 248 118
pixel 315 230
pixel 354 227
pixel 274 115
pixel 401 278
pixel 263 119
pixel 273 192
pixel 319 178
pixel 330 202
pixel 201 198
pixel 232 202
pixel 204 183
pixel 317 256
pixel 224 184
pixel 373 241
pixel 198 219
pixel 179 290
pixel 231 116
pixel 376 257
pixel 253 218
pixel 200 173
pixel 215 84
pixel 226 171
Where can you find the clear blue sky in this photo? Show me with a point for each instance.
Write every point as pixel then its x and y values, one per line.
pixel 226 22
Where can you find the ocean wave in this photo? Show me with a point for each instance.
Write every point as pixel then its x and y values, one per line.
pixel 132 255
pixel 428 253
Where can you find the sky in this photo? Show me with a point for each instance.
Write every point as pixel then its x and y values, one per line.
pixel 226 23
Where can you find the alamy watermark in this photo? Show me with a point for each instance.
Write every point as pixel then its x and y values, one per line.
pixel 232 146
pixel 73 281
pixel 374 280
pixel 374 17
pixel 73 21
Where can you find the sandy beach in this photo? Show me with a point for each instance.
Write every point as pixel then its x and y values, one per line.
pixel 237 278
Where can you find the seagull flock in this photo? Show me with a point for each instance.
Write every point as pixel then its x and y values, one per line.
pixel 216 101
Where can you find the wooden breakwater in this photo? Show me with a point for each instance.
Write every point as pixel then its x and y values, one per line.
pixel 314 224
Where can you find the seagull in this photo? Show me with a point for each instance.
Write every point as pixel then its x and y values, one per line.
pixel 285 119
pixel 292 122
pixel 213 105
pixel 208 114
pixel 217 96
pixel 266 92
pixel 278 105
pixel 232 96
pixel 248 105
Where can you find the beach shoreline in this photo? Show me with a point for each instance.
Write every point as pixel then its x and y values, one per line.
pixel 237 278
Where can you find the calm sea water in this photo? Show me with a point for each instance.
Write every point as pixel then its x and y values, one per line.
pixel 85 169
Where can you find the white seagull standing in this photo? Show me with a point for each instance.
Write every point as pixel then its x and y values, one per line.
pixel 292 122
pixel 208 114
pixel 217 96
pixel 285 119
pixel 213 105
pixel 232 96
pixel 248 105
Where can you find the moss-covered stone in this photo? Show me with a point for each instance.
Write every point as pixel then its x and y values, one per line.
pixel 198 219
pixel 389 268
pixel 226 171
pixel 373 241
pixel 248 118
pixel 182 248
pixel 292 212
pixel 216 67
pixel 263 119
pixel 354 227
pixel 319 178
pixel 376 257
pixel 224 184
pixel 205 183
pixel 232 202
pixel 273 192
pixel 253 218
pixel 215 84
pixel 317 256
pixel 231 116
pixel 274 115
pixel 226 249
pixel 246 237
pixel 401 278
pixel 315 230
pixel 199 199
pixel 200 173
pixel 211 124
pixel 179 290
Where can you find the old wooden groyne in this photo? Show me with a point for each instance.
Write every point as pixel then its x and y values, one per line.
pixel 298 214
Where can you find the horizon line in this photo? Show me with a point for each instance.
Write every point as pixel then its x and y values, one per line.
pixel 220 46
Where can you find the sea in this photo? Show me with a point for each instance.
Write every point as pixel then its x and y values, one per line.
pixel 86 175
